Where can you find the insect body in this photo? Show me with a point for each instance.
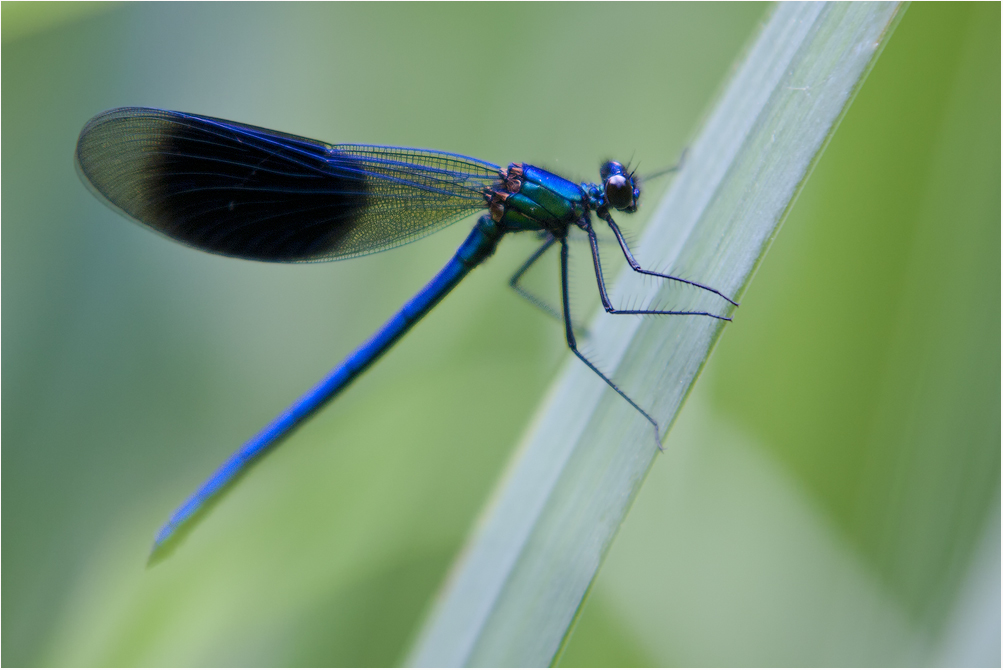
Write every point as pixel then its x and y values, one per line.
pixel 238 190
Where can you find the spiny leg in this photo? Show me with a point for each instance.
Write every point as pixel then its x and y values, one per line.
pixel 573 345
pixel 608 306
pixel 533 298
pixel 525 293
pixel 636 267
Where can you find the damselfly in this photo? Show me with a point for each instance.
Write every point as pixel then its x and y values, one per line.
pixel 242 191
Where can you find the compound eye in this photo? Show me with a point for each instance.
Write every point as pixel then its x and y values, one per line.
pixel 619 192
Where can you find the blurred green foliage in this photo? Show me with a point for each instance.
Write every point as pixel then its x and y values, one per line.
pixel 861 368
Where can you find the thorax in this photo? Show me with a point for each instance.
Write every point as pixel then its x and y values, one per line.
pixel 529 198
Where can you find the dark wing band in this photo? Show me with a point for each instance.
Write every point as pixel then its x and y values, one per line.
pixel 243 191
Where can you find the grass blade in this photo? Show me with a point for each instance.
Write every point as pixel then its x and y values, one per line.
pixel 513 595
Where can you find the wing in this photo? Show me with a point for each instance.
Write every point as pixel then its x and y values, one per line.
pixel 243 191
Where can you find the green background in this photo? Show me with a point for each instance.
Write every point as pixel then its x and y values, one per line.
pixel 830 493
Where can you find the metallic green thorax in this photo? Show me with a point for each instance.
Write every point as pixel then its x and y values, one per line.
pixel 529 198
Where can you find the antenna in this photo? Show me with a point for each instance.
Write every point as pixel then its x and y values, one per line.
pixel 665 171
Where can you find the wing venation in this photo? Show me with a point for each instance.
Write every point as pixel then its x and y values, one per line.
pixel 243 191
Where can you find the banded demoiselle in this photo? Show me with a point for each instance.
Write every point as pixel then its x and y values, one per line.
pixel 247 192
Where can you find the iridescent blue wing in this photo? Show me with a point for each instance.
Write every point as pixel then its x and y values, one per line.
pixel 243 191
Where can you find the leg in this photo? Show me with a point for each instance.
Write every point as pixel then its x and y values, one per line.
pixel 536 300
pixel 636 267
pixel 608 306
pixel 514 281
pixel 573 345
